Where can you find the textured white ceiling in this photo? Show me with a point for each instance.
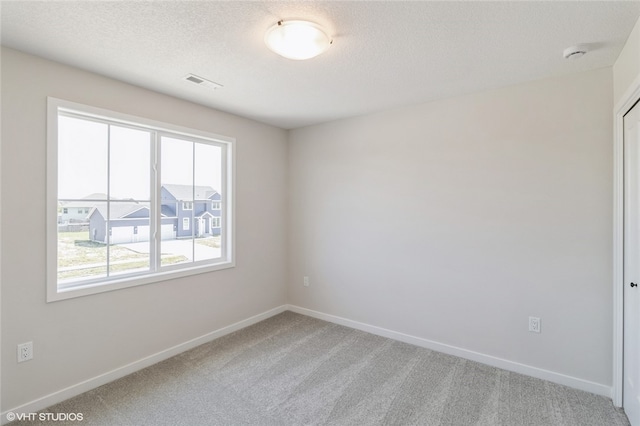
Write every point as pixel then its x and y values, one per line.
pixel 385 54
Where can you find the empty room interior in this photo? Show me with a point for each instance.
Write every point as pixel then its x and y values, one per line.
pixel 288 213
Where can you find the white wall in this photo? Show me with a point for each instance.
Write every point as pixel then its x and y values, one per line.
pixel 456 220
pixel 78 339
pixel 627 66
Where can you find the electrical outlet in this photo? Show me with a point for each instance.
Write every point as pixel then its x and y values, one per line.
pixel 534 324
pixel 305 281
pixel 25 351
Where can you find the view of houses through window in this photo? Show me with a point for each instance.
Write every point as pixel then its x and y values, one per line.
pixel 133 200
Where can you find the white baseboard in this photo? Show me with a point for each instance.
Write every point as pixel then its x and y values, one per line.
pixel 562 379
pixel 94 382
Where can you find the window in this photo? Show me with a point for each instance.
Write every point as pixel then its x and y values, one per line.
pixel 65 210
pixel 137 173
pixel 215 205
pixel 215 222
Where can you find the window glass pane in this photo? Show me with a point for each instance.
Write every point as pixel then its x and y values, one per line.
pixel 79 256
pixel 82 175
pixel 208 184
pixel 129 167
pixel 82 159
pixel 177 194
pixel 129 177
pixel 128 237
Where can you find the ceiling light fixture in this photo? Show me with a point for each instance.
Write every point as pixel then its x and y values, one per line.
pixel 297 39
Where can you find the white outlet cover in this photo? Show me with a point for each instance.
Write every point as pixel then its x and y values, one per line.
pixel 534 324
pixel 25 351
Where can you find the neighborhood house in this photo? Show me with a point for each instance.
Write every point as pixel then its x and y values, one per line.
pixel 186 211
pixel 76 212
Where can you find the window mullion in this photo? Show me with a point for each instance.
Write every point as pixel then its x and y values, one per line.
pixel 108 230
pixel 155 208
pixel 193 202
pixel 224 205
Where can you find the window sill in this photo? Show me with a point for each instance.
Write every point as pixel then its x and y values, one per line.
pixel 54 294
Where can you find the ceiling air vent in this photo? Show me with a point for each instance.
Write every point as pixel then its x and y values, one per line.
pixel 202 81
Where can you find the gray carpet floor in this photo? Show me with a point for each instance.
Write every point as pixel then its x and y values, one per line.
pixel 295 370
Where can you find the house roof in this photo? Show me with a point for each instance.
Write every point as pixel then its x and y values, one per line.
pixel 96 196
pixel 119 210
pixel 167 211
pixel 188 192
pixel 80 204
pixel 90 200
pixel 203 214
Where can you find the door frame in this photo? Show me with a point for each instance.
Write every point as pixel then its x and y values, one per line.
pixel 628 100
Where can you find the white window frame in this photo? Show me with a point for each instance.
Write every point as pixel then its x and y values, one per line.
pixel 215 222
pixel 186 225
pixel 158 273
pixel 187 205
pixel 216 205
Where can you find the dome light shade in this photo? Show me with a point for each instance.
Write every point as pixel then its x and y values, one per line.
pixel 297 39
